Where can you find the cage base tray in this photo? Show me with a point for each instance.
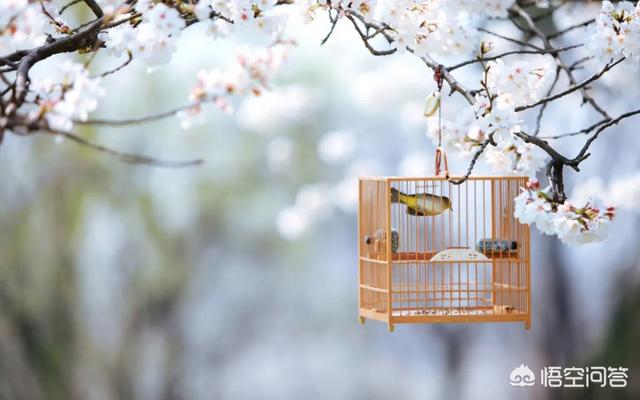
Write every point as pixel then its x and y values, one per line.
pixel 428 255
pixel 453 312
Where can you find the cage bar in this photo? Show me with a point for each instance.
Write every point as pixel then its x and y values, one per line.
pixel 434 252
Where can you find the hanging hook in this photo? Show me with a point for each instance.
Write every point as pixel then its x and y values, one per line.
pixel 441 156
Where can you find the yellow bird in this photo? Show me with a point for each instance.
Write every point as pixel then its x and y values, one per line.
pixel 421 204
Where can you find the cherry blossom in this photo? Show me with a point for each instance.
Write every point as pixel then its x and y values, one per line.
pixel 509 155
pixel 153 40
pixel 252 73
pixel 492 8
pixel 239 14
pixel 616 33
pixel 72 96
pixel 574 225
pixel 500 97
pixel 518 83
pixel 22 25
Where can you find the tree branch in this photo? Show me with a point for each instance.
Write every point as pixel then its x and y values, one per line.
pixel 429 62
pixel 137 121
pixel 366 43
pixel 570 28
pixel 547 45
pixel 118 68
pixel 334 22
pixel 95 7
pixel 512 40
pixel 571 89
pixel 476 155
pixel 508 53
pixel 582 155
pixel 129 158
pixel 69 4
pixel 544 106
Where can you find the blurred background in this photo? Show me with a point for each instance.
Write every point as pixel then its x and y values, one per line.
pixel 237 279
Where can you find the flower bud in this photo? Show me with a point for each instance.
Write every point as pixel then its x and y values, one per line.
pixel 611 212
pixel 533 184
pixel 485 47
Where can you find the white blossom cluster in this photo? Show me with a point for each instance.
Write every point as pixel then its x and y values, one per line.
pixel 236 14
pixel 509 85
pixel 492 8
pixel 518 83
pixel 431 26
pixel 153 40
pixel 22 25
pixel 616 33
pixel 252 73
pixel 363 7
pixel 574 225
pixel 70 96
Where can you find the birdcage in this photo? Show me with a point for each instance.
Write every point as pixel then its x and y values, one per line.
pixel 434 252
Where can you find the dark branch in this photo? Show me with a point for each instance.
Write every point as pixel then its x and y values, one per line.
pixel 128 158
pixel 586 97
pixel 95 7
pixel 510 39
pixel 137 121
pixel 544 106
pixel 572 88
pixel 118 68
pixel 582 155
pixel 334 22
pixel 366 43
pixel 577 133
pixel 508 53
pixel 570 28
pixel 472 164
pixel 71 3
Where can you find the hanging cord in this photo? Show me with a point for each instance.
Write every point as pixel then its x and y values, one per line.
pixel 440 154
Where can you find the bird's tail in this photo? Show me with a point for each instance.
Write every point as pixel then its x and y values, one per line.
pixel 395 195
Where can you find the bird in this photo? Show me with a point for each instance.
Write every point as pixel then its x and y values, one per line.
pixel 421 204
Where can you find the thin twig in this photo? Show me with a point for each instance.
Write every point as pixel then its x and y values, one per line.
pixel 508 53
pixel 577 63
pixel 334 22
pixel 428 61
pixel 64 8
pixel 95 7
pixel 510 39
pixel 570 28
pixel 366 43
pixel 544 145
pixel 586 97
pixel 577 133
pixel 129 158
pixel 583 152
pixel 116 69
pixel 136 121
pixel 544 106
pixel 476 155
pixel 572 88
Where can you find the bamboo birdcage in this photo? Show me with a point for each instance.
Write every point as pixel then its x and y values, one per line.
pixel 443 268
